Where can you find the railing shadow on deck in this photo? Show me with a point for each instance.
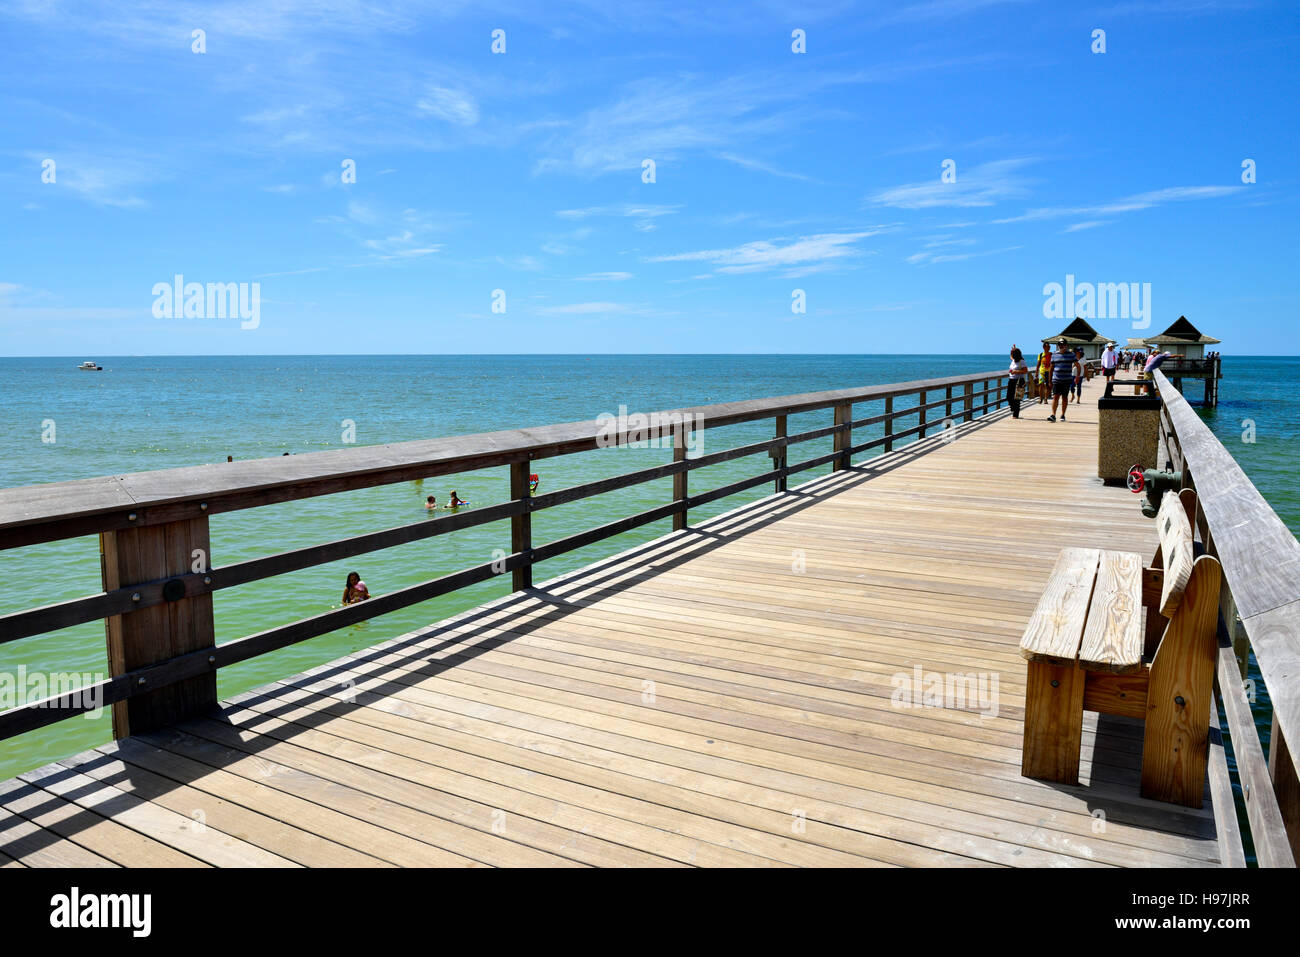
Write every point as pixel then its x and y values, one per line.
pixel 154 602
pixel 603 578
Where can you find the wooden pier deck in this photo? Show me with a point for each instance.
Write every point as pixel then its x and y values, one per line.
pixel 718 697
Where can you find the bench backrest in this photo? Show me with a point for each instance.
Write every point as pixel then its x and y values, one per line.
pixel 1176 549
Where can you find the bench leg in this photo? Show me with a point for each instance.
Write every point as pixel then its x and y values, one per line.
pixel 1053 722
pixel 1176 739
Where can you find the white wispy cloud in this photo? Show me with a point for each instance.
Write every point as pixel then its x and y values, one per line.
pixel 667 118
pixel 796 256
pixel 639 211
pixel 104 179
pixel 451 105
pixel 749 162
pixel 926 258
pixel 593 309
pixel 984 185
pixel 604 277
pixel 644 216
pixel 1090 224
pixel 1139 201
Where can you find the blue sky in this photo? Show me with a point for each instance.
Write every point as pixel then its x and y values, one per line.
pixel 522 171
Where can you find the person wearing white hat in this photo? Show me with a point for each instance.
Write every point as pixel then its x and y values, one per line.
pixel 1109 361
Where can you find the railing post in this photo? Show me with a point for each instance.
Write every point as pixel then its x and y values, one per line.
pixel 521 525
pixel 889 423
pixel 779 454
pixel 947 408
pixel 843 416
pixel 921 420
pixel 969 396
pixel 151 635
pixel 1286 786
pixel 680 431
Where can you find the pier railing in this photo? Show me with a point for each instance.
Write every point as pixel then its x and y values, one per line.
pixel 158 580
pixel 1259 612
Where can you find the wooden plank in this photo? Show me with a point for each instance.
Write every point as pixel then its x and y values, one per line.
pixel 1053 722
pixel 163 825
pixel 1056 628
pixel 681 435
pixel 1281 766
pixel 338 812
pixel 1176 551
pixel 779 454
pixel 521 534
pixel 206 810
pixel 1268 830
pixel 843 436
pixel 1175 743
pixel 1122 694
pixel 1112 638
pixel 1232 851
pixel 154 635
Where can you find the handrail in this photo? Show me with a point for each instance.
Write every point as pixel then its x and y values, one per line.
pixel 1260 604
pixel 150 511
pixel 39 513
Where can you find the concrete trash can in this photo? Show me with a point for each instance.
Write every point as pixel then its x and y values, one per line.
pixel 1128 434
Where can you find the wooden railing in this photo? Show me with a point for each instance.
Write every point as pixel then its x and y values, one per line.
pixel 1260 612
pixel 157 587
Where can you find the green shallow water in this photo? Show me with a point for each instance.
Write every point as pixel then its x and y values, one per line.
pixel 146 413
pixel 152 413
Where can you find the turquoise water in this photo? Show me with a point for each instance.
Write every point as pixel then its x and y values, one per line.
pixel 145 413
pixel 141 414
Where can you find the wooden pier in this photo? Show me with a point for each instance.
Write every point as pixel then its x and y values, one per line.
pixel 725 695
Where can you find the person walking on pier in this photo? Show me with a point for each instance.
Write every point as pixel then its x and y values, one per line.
pixel 1064 365
pixel 1109 362
pixel 1043 372
pixel 1017 381
pixel 1078 375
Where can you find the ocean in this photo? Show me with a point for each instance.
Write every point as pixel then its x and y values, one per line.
pixel 146 413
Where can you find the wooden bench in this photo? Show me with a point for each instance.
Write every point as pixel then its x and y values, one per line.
pixel 1088 650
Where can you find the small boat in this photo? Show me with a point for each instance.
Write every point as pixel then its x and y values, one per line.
pixel 89 366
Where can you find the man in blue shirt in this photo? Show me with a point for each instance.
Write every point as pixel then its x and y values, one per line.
pixel 1064 366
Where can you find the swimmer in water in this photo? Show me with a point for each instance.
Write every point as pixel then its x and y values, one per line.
pixel 430 504
pixel 355 590
pixel 455 501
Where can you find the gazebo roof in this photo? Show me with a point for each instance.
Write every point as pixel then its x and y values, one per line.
pixel 1181 333
pixel 1079 332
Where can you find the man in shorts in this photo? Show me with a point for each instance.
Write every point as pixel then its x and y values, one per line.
pixel 1043 372
pixel 1065 363
pixel 1109 361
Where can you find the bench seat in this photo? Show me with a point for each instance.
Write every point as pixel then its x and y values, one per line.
pixel 1090 647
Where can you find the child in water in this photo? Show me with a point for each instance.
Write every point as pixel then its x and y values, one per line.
pixel 455 501
pixel 355 590
pixel 430 504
